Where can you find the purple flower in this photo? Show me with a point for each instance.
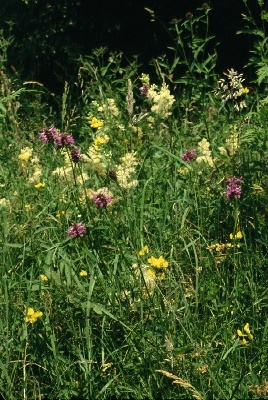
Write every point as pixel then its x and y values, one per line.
pixel 102 198
pixel 64 140
pixel 75 155
pixel 76 230
pixel 189 155
pixel 144 90
pixel 49 135
pixel 233 188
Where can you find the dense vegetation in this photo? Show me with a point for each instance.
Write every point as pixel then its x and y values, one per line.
pixel 134 222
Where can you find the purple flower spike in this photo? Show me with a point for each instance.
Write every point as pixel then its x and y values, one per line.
pixel 102 198
pixel 75 155
pixel 49 135
pixel 76 230
pixel 64 140
pixel 189 155
pixel 233 188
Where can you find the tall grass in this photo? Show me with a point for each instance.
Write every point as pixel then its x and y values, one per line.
pixel 160 291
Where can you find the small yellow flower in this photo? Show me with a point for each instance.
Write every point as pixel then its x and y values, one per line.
pixel 183 170
pixel 245 90
pixel 143 251
pixel 32 315
pixel 27 207
pixel 158 262
pixel 39 185
pixel 96 123
pixel 83 273
pixel 238 235
pixel 240 334
pixel 43 278
pixel 60 214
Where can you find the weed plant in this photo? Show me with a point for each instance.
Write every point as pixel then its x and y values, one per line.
pixel 134 231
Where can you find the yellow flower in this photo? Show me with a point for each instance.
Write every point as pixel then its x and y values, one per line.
pixel 151 272
pixel 143 251
pixel 238 235
pixel 32 315
pixel 240 334
pixel 96 123
pixel 39 185
pixel 183 170
pixel 60 214
pixel 158 262
pixel 25 154
pixel 245 90
pixel 247 334
pixel 27 207
pixel 83 273
pixel 43 278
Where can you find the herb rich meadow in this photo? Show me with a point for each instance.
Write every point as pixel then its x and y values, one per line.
pixel 134 228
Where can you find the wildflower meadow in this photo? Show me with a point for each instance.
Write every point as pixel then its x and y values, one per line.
pixel 134 225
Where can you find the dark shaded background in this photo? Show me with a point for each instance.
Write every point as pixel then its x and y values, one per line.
pixel 49 36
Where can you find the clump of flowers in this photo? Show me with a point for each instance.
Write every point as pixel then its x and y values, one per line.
pixel 238 235
pixel 49 135
pixel 246 334
pixel 231 144
pixel 259 390
pixel 189 155
pixel 233 188
pixel 5 203
pixel 96 123
pixel 162 100
pixel 102 197
pixel 64 140
pixel 25 155
pixel 32 316
pixel 126 170
pixel 76 229
pixel 232 89
pixel 157 262
pixel 205 153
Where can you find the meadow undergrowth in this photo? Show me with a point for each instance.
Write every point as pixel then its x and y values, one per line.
pixel 134 229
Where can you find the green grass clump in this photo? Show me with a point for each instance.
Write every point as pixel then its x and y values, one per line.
pixel 134 232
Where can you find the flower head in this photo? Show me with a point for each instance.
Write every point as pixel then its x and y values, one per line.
pixel 39 185
pixel 243 336
pixel 157 262
pixel 32 315
pixel 233 188
pixel 43 278
pixel 64 140
pixel 96 123
pixel 143 251
pixel 102 197
pixel 49 135
pixel 75 155
pixel 76 229
pixel 189 155
pixel 83 273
